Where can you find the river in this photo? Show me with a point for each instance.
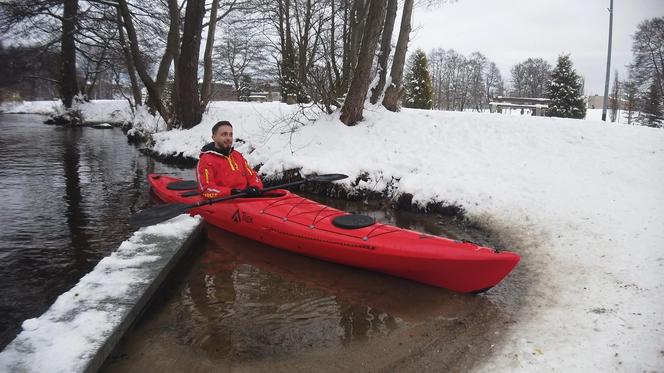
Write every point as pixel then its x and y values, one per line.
pixel 66 194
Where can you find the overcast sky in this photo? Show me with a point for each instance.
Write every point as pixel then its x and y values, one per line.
pixel 510 31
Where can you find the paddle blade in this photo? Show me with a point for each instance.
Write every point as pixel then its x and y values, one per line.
pixel 157 214
pixel 327 177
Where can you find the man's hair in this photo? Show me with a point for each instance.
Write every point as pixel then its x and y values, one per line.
pixel 219 124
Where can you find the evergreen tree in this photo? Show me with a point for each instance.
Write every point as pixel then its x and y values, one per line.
pixel 419 90
pixel 565 91
pixel 652 109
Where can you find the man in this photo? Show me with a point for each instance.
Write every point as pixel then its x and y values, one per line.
pixel 221 170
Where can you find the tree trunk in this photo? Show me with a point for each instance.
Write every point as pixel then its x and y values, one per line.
pixel 345 58
pixel 206 89
pixel 395 89
pixel 356 23
pixel 287 66
pixel 336 81
pixel 303 45
pixel 131 69
pixel 96 73
pixel 282 44
pixel 187 100
pixel 351 112
pixel 69 83
pixel 138 62
pixel 385 48
pixel 171 52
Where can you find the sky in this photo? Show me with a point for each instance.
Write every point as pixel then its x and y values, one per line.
pixel 510 31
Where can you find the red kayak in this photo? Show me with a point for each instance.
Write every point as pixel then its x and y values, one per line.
pixel 290 222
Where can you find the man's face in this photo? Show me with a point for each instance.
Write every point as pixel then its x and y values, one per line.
pixel 223 138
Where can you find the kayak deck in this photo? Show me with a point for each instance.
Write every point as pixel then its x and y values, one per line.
pixel 294 223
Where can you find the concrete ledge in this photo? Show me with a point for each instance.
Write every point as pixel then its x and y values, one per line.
pixel 83 326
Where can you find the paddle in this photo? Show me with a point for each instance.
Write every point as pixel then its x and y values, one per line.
pixel 158 214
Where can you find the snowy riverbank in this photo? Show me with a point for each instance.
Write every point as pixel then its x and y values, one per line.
pixel 582 200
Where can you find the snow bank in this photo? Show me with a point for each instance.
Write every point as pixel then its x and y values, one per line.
pixel 100 111
pixel 73 330
pixel 31 107
pixel 97 111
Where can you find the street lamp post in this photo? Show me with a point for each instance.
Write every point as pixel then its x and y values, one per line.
pixel 608 65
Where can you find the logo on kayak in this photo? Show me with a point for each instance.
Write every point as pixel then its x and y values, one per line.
pixel 238 217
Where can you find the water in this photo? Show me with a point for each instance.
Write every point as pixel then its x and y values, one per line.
pixel 66 194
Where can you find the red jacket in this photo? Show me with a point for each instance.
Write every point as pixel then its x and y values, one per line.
pixel 217 173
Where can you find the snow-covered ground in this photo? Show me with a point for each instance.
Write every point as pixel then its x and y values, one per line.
pixel 587 196
pixel 99 111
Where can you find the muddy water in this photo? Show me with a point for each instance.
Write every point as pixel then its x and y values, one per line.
pixel 238 305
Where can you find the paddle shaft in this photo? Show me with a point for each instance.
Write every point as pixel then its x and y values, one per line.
pixel 243 194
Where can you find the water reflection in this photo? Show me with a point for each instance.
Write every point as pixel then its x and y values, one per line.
pixel 249 301
pixel 76 217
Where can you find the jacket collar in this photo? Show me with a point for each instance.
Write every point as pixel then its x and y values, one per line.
pixel 211 148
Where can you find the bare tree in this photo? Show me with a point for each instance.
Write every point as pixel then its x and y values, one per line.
pixel 614 102
pixel 436 57
pixel 385 48
pixel 129 61
pixel 477 65
pixel 68 82
pixel 355 19
pixel 494 82
pixel 48 17
pixel 187 100
pixel 395 89
pixel 239 54
pixel 141 68
pixel 459 81
pixel 206 88
pixel 648 50
pixel 530 78
pixel 32 72
pixel 171 52
pixel 631 94
pixel 351 112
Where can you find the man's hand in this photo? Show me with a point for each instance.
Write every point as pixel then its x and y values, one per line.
pixel 253 191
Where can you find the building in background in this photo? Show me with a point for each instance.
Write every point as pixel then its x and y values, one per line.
pixel 597 101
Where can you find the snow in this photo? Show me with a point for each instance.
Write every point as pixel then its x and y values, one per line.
pixel 67 336
pixel 99 111
pixel 621 118
pixel 586 196
pixel 30 107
